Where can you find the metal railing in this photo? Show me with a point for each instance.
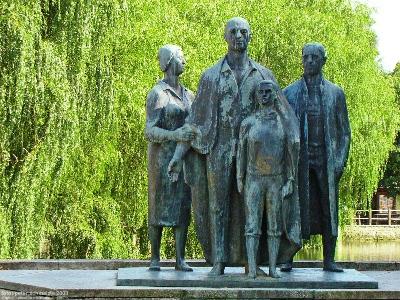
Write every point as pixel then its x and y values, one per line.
pixel 377 217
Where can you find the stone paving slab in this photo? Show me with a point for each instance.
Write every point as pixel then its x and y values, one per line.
pixel 387 280
pixel 305 278
pixel 114 264
pixel 101 285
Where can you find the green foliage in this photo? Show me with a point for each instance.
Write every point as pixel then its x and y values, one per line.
pixel 73 81
pixel 391 176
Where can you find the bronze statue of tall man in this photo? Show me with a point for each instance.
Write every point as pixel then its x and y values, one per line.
pixel 224 99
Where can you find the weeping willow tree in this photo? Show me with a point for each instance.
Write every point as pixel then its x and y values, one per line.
pixel 73 81
pixel 391 176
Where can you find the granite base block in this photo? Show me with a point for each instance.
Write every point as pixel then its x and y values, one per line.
pixel 302 278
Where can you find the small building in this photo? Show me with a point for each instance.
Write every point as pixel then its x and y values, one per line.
pixel 382 201
pixel 383 210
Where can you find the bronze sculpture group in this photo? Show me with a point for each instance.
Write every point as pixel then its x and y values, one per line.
pixel 259 166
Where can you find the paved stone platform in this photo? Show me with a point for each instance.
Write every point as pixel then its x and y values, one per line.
pixel 95 284
pixel 306 278
pixel 81 283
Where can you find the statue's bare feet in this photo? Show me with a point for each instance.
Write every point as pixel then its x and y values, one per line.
pixel 154 265
pixel 287 267
pixel 183 266
pixel 332 267
pixel 217 269
pixel 259 271
pixel 274 274
pixel 252 274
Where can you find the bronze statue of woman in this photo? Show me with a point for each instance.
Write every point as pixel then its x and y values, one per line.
pixel 167 107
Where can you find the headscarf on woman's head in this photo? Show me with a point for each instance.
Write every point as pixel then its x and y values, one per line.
pixel 165 55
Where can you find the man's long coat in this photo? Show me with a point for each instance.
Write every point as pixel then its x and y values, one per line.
pixel 337 143
pixel 205 117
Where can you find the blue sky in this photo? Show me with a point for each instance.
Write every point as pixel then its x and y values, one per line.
pixel 387 28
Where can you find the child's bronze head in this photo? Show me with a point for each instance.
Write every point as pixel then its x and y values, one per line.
pixel 266 93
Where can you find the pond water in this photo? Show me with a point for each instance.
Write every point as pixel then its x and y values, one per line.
pixel 356 250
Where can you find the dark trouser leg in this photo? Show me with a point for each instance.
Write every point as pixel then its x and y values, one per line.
pixel 329 244
pixel 252 249
pixel 219 176
pixel 273 201
pixel 328 240
pixel 254 207
pixel 288 266
pixel 155 242
pixel 180 242
pixel 273 248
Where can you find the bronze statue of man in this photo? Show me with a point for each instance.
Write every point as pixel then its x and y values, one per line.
pixel 321 109
pixel 224 98
pixel 266 172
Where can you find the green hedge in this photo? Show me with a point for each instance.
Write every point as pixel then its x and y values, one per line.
pixel 73 81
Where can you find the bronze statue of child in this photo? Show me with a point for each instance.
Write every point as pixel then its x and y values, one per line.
pixel 264 174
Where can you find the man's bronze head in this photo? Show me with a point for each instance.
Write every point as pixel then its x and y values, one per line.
pixel 314 58
pixel 237 34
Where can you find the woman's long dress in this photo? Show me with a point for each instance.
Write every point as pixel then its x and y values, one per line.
pixel 169 202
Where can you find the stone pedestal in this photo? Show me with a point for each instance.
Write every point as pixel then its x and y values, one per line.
pixel 298 278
